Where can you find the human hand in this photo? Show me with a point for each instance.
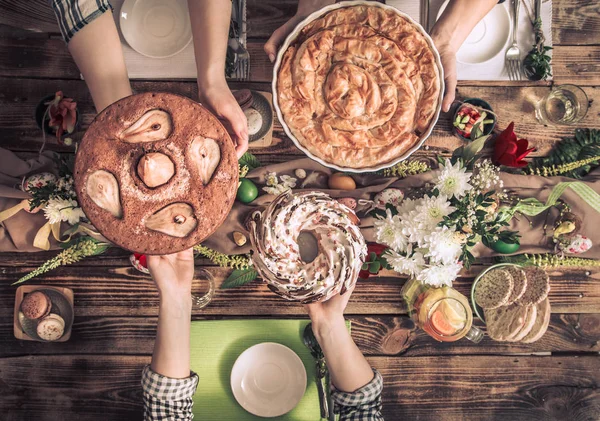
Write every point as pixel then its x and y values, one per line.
pixel 329 314
pixel 220 101
pixel 305 8
pixel 448 58
pixel 173 274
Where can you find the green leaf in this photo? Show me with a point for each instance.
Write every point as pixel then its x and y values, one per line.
pixel 249 160
pixel 239 277
pixel 473 148
pixel 374 267
pixel 364 266
pixel 372 256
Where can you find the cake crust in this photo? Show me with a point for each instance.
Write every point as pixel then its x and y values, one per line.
pixel 103 148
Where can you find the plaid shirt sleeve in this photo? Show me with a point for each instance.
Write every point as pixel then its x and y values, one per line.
pixel 73 15
pixel 166 398
pixel 363 404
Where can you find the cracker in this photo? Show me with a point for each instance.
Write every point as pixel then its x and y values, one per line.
pixel 519 283
pixel 541 323
pixel 505 322
pixel 530 319
pixel 51 328
pixel 493 289
pixel 538 286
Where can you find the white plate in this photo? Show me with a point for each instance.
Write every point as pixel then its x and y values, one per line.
pixel 292 36
pixel 268 379
pixel 156 28
pixel 487 39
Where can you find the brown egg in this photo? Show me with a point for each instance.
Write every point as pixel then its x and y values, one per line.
pixel 341 181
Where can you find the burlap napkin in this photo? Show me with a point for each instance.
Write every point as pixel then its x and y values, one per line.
pixel 17 232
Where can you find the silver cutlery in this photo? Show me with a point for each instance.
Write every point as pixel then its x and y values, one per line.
pixel 513 54
pixel 322 375
pixel 242 55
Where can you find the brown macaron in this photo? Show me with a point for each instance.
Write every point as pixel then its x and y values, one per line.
pixel 244 98
pixel 36 305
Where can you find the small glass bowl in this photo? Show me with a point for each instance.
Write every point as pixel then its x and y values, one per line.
pixel 478 103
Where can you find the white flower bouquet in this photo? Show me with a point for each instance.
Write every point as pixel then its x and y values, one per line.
pixel 431 234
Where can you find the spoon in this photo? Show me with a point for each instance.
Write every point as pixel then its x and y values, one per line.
pixel 321 371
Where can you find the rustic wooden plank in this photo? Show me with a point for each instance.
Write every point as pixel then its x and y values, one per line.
pixel 99 387
pixel 374 335
pixel 123 291
pixel 49 58
pixel 490 388
pixel 20 96
pixel 576 22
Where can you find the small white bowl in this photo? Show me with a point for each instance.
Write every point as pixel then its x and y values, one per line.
pixel 294 34
pixel 156 28
pixel 268 379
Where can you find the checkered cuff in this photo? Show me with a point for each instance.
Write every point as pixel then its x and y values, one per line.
pixel 73 15
pixel 166 398
pixel 363 404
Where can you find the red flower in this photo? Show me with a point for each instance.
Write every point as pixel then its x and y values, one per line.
pixel 378 249
pixel 509 150
pixel 63 114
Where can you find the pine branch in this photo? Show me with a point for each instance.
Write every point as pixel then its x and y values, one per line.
pixel 85 247
pixel 240 261
pixel 405 168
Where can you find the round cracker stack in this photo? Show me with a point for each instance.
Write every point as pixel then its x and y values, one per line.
pixel 527 317
pixel 494 289
pixel 519 283
pixel 538 286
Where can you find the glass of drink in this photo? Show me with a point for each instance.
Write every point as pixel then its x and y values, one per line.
pixel 443 313
pixel 203 288
pixel 565 104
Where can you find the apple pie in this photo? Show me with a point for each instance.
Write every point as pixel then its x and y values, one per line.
pixel 359 86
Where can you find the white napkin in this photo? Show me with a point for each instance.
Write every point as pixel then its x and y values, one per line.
pixel 493 69
pixel 179 66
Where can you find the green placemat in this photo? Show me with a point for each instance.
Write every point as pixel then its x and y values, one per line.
pixel 216 344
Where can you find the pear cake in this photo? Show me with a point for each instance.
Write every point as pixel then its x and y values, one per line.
pixel 156 173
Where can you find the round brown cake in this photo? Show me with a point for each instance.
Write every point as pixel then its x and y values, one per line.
pixel 156 173
pixel 359 86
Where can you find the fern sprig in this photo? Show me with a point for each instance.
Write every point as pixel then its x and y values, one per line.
pixel 79 250
pixel 405 168
pixel 240 261
pixel 561 169
pixel 550 260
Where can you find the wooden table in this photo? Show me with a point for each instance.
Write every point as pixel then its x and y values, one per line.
pixel 96 374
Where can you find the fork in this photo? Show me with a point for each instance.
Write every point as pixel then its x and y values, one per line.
pixel 242 53
pixel 513 54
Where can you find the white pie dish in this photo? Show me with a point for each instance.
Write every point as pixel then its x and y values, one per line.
pixel 156 28
pixel 268 379
pixel 292 37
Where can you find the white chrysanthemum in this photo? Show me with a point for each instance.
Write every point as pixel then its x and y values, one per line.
pixel 439 275
pixel 443 246
pixel 406 207
pixel 410 266
pixel 388 231
pixel 453 180
pixel 63 210
pixel 431 211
